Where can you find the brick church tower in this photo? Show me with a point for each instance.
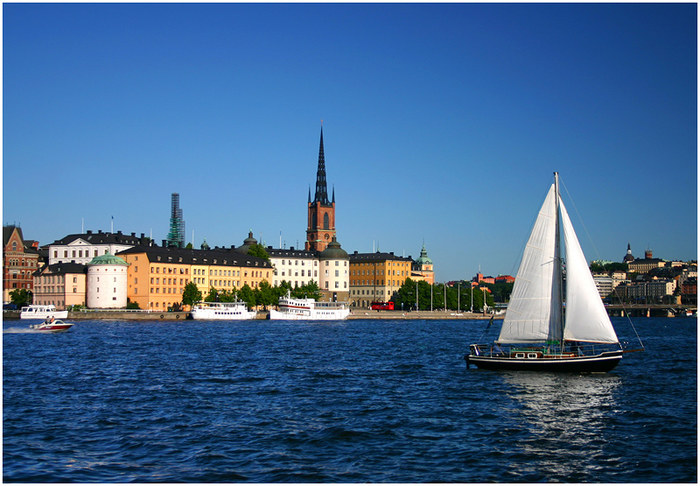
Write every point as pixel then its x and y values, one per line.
pixel 321 227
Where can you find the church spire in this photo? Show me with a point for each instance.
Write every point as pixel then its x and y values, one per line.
pixel 321 187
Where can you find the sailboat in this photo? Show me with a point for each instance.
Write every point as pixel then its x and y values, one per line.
pixel 537 333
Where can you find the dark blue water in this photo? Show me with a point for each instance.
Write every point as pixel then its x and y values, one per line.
pixel 354 401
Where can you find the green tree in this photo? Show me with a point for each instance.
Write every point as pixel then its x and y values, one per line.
pixel 258 250
pixel 247 295
pixel 212 296
pixel 191 294
pixel 21 297
pixel 309 291
pixel 265 294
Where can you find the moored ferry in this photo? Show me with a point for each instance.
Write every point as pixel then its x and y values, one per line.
pixel 42 312
pixel 309 310
pixel 222 311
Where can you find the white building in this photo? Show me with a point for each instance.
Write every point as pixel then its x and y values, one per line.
pixel 106 282
pixel 82 248
pixel 298 267
pixel 334 272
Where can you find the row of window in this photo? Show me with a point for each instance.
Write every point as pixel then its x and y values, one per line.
pixel 22 262
pixel 392 283
pixel 397 273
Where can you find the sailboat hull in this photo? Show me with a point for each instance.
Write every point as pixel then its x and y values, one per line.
pixel 599 363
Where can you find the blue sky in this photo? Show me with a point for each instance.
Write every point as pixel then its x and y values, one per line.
pixel 442 123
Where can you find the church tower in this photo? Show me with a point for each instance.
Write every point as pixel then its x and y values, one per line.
pixel 321 212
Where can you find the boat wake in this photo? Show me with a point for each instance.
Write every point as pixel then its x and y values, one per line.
pixel 20 330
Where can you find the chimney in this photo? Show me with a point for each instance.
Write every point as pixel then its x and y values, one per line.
pixel 647 254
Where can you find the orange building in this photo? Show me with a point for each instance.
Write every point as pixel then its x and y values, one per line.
pixel 422 269
pixel 375 277
pixel 157 276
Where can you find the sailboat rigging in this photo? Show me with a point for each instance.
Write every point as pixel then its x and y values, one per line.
pixel 537 334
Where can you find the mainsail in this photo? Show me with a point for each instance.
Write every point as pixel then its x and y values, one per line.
pixel 532 315
pixel 535 309
pixel 586 318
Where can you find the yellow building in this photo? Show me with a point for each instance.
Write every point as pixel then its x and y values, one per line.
pixel 375 277
pixel 157 276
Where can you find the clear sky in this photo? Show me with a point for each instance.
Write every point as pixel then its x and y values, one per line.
pixel 442 123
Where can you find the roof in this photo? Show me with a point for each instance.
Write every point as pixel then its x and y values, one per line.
pixel 61 269
pixel 222 256
pixel 7 233
pixel 334 252
pixel 107 259
pixel 289 253
pixel 101 238
pixel 423 258
pixel 376 257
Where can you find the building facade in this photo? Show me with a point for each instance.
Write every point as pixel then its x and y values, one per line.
pixel 83 247
pixel 375 277
pixel 320 229
pixel 60 284
pixel 20 261
pixel 334 271
pixel 107 282
pixel 157 276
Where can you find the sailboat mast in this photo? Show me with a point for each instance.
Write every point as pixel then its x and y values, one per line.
pixel 558 280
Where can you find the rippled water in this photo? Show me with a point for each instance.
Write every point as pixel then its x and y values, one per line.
pixel 352 401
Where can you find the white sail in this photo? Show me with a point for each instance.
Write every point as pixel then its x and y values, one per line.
pixel 529 317
pixel 586 318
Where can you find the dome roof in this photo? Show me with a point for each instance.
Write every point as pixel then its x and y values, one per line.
pixel 334 252
pixel 423 259
pixel 107 259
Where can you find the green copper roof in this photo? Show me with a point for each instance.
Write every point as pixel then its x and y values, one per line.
pixel 107 259
pixel 423 259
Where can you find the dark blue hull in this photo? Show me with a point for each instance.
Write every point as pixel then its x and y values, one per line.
pixel 599 363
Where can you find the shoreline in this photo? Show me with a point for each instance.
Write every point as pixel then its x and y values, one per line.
pixel 262 315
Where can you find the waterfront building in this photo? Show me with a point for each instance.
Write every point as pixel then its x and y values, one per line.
pixel 320 229
pixel 334 273
pixel 422 268
pixel 645 292
pixel 376 276
pixel 157 276
pixel 176 235
pixel 60 284
pixel 83 247
pixel 298 267
pixel 646 264
pixel 107 282
pixel 20 261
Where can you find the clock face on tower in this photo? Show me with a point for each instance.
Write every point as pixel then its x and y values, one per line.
pixel 326 236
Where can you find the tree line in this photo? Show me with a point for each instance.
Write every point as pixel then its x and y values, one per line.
pixel 458 297
pixel 263 295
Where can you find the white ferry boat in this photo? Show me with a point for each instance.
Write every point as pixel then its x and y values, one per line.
pixel 309 310
pixel 42 312
pixel 222 311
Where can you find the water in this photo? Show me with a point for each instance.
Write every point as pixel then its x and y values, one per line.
pixel 352 401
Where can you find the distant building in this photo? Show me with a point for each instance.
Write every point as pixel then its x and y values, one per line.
pixel 176 235
pixel 297 267
pixel 107 282
pixel 604 284
pixel 505 279
pixel 320 230
pixel 376 276
pixel 481 279
pixel 83 247
pixel 628 256
pixel 422 268
pixel 20 261
pixel 60 284
pixel 646 264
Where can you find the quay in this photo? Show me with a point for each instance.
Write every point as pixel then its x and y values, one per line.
pixel 136 315
pixel 634 310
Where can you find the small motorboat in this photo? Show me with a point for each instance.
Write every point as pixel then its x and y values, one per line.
pixel 52 325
